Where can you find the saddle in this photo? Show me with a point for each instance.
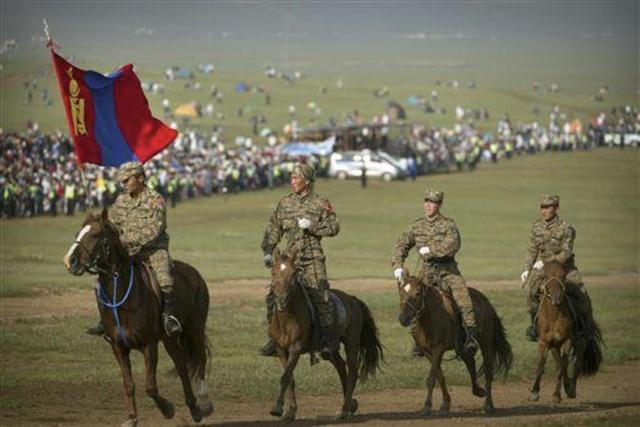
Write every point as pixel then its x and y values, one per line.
pixel 339 315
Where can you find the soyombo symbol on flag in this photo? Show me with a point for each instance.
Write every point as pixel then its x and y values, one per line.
pixel 108 116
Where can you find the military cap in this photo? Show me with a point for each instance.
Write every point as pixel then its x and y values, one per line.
pixel 432 195
pixel 130 169
pixel 305 171
pixel 549 200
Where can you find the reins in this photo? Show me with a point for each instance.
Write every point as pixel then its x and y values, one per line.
pixel 114 304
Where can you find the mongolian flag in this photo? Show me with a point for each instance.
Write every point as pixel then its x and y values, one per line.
pixel 108 116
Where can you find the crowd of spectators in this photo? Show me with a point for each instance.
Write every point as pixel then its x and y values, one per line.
pixel 39 174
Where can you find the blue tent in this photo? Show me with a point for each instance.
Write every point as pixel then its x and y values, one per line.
pixel 307 149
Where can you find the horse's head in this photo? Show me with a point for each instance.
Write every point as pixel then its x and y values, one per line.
pixel 283 277
pixel 554 283
pixel 411 298
pixel 92 242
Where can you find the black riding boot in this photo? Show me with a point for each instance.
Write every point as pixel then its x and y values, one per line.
pixel 471 342
pixel 169 320
pixel 532 330
pixel 98 330
pixel 269 349
pixel 329 343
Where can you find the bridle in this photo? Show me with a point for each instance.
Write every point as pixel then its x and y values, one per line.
pixel 423 302
pixel 102 247
pixel 283 300
pixel 545 290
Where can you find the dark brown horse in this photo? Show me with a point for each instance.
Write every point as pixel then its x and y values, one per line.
pixel 131 313
pixel 292 331
pixel 437 329
pixel 575 355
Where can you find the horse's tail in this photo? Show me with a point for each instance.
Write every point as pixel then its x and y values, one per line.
pixel 592 354
pixel 371 353
pixel 502 354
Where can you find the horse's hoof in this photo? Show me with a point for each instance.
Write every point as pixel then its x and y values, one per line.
pixel 353 406
pixel 425 412
pixel 289 416
pixel 276 411
pixel 206 409
pixel 556 399
pixel 534 396
pixel 488 409
pixel 479 392
pixel 131 422
pixel 168 410
pixel 444 409
pixel 196 414
pixel 572 395
pixel 341 415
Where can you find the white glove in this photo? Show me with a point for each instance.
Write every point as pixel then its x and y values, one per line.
pixel 397 273
pixel 424 250
pixel 524 276
pixel 538 265
pixel 268 260
pixel 304 223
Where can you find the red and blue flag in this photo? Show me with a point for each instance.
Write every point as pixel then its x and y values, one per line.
pixel 109 116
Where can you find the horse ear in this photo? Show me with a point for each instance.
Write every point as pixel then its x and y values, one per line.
pixel 405 275
pixel 294 253
pixel 105 215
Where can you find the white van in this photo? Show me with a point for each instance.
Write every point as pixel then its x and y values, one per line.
pixel 349 164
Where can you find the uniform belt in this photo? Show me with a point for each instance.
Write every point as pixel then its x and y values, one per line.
pixel 441 260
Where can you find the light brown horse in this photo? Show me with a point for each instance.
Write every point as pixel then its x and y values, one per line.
pixel 131 313
pixel 437 329
pixel 575 356
pixel 292 332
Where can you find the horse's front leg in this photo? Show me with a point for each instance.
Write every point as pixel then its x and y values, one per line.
pixel 122 356
pixel 542 357
pixel 561 368
pixel 151 386
pixel 289 360
pixel 178 356
pixel 435 359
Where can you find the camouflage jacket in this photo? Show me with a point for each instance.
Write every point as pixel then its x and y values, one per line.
pixel 440 234
pixel 141 221
pixel 550 241
pixel 284 223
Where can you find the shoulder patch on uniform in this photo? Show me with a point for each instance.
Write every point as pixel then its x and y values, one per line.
pixel 160 203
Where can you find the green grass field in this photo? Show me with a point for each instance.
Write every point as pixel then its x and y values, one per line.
pixel 493 207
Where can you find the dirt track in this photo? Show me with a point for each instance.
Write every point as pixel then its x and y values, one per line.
pixel 613 395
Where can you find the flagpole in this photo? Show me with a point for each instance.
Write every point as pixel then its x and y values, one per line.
pixel 50 45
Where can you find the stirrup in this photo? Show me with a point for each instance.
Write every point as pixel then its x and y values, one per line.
pixel 416 351
pixel 171 325
pixel 532 333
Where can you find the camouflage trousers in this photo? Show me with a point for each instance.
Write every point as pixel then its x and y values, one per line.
pixel 449 279
pixel 313 275
pixel 160 263
pixel 574 287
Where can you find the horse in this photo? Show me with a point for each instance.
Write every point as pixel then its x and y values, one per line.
pixel 437 328
pixel 132 319
pixel 291 329
pixel 575 356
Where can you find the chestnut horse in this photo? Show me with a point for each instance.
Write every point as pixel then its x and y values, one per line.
pixel 437 329
pixel 575 355
pixel 292 332
pixel 131 313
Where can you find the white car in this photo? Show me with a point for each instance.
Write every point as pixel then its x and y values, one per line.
pixel 349 164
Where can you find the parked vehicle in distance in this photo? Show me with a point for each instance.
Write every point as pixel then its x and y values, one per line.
pixel 349 164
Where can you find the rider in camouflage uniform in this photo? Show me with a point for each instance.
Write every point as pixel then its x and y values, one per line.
pixel 139 215
pixel 304 218
pixel 437 239
pixel 551 239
